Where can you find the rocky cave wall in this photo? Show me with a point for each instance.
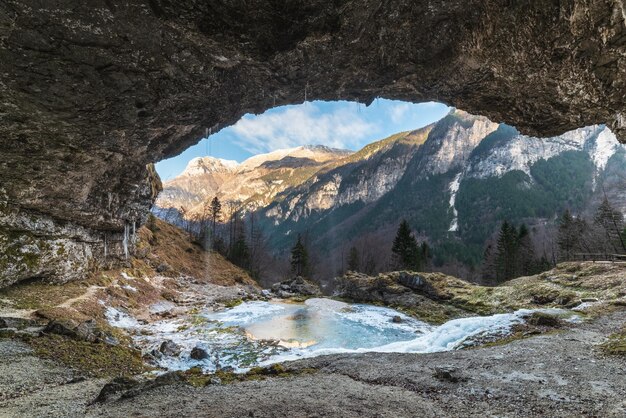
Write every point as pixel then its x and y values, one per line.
pixel 93 92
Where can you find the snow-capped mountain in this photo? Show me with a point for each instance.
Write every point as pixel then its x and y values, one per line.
pixel 249 185
pixel 454 181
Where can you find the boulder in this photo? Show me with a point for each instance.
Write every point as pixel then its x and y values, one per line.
pixel 169 348
pixel 117 385
pixel 198 353
pixel 447 374
pixel 84 331
pixel 297 286
pixel 544 320
pixel 17 323
pixel 64 328
pixel 163 267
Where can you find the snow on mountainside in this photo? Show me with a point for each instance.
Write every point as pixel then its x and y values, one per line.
pixel 318 153
pixel 205 165
pixel 520 152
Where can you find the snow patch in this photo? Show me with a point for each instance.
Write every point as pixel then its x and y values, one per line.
pixel 120 319
pixel 454 188
pixel 605 146
pixel 246 313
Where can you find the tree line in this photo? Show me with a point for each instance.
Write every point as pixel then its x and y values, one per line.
pixel 513 253
pixel 233 235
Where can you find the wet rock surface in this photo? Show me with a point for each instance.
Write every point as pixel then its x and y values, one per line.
pixel 93 94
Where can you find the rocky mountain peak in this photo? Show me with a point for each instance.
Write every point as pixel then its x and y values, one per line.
pixel 207 165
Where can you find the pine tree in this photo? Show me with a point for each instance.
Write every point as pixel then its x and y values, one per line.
pixel 525 253
pixel 353 259
pixel 216 212
pixel 239 253
pixel 425 254
pixel 299 257
pixel 405 249
pixel 488 268
pixel 506 250
pixel 568 238
pixel 612 222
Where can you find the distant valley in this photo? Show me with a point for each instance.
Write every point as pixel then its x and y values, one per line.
pixel 455 181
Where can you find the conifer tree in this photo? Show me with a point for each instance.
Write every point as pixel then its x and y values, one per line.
pixel 507 248
pixel 568 238
pixel 525 254
pixel 216 212
pixel 405 249
pixel 353 259
pixel 611 221
pixel 488 268
pixel 299 257
pixel 239 253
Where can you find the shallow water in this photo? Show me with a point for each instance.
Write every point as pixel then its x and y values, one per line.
pixel 261 333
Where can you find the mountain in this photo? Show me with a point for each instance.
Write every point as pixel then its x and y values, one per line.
pixel 455 181
pixel 455 185
pixel 202 177
pixel 249 185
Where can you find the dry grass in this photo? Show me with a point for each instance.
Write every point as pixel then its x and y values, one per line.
pixel 165 243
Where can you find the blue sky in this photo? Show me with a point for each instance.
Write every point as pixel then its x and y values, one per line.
pixel 339 124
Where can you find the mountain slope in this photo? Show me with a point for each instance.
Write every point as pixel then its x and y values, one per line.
pixel 455 189
pixel 249 185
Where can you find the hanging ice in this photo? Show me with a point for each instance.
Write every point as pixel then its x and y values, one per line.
pixel 125 240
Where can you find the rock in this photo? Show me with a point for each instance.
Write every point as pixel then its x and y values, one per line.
pixel 297 286
pixel 17 323
pixel 117 385
pixel 447 374
pixel 169 348
pixel 544 320
pixel 266 293
pixel 589 300
pixel 397 319
pixel 198 353
pixel 163 267
pixel 162 380
pixel 84 331
pixel 64 328
pixel 215 381
pixel 88 331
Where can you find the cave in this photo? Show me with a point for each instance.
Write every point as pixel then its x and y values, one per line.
pixel 94 94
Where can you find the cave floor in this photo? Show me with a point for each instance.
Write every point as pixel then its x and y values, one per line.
pixel 558 374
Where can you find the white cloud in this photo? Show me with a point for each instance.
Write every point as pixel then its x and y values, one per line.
pixel 398 112
pixel 302 125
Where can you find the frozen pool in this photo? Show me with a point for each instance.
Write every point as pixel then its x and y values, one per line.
pixel 261 333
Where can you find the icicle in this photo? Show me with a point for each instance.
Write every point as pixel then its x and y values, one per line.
pixel 133 239
pixel 125 240
pixel 106 251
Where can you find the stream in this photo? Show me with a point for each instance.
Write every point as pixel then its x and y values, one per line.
pixel 259 333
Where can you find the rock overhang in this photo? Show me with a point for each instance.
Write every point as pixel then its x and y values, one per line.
pixel 92 94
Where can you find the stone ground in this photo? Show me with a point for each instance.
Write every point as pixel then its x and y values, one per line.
pixel 560 374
